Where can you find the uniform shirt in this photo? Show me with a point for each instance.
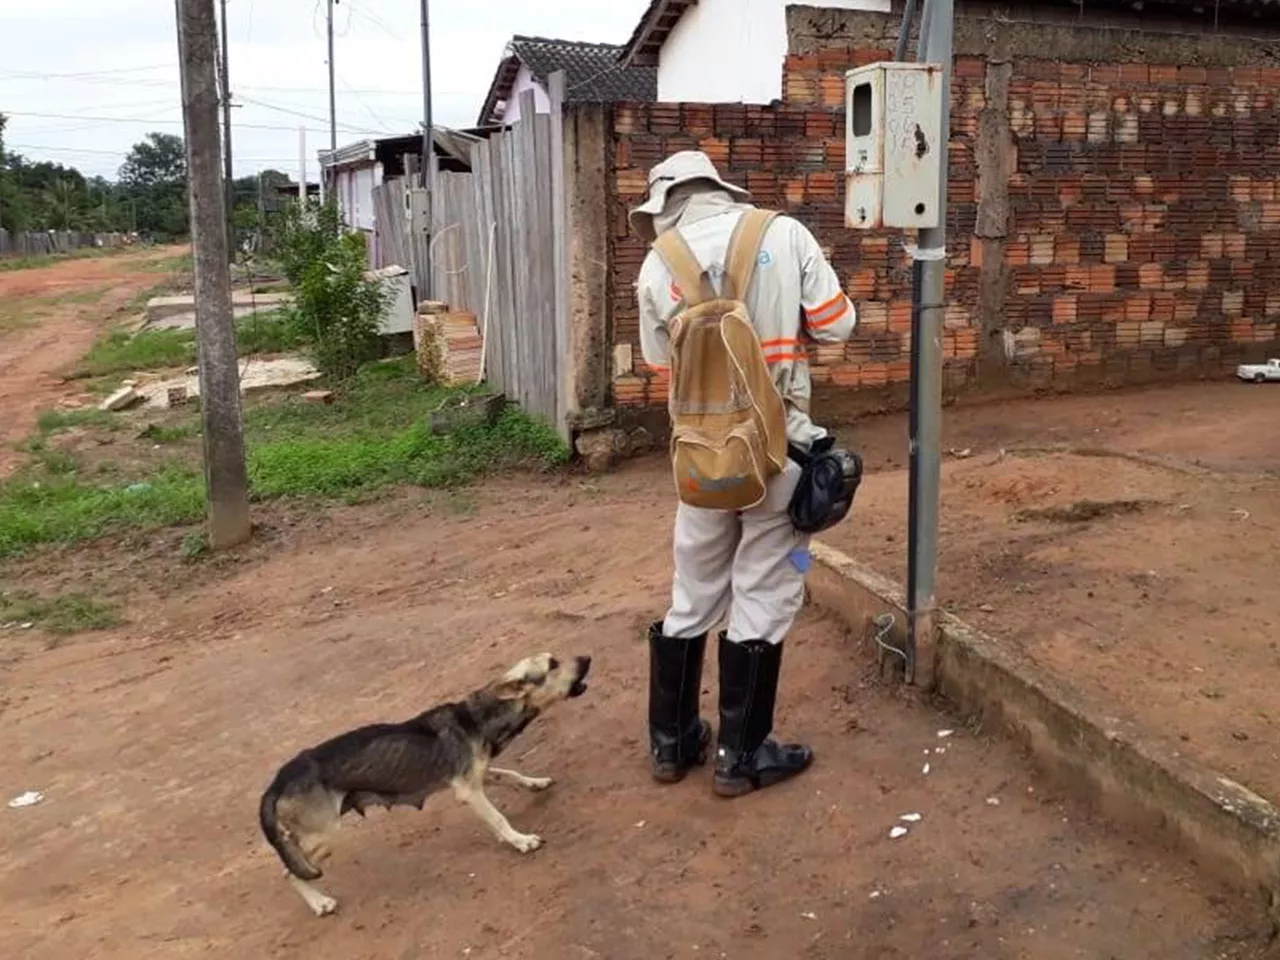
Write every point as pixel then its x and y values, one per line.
pixel 794 290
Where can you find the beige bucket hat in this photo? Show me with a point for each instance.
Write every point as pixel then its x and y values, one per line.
pixel 682 167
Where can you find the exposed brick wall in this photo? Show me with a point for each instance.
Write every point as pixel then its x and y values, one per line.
pixel 1108 222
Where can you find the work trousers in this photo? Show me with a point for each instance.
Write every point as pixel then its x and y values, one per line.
pixel 749 565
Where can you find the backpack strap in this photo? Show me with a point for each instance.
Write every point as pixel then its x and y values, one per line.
pixel 688 273
pixel 744 252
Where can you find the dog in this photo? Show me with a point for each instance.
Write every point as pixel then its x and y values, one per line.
pixel 394 764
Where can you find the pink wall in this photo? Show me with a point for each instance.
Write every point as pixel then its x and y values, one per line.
pixel 525 81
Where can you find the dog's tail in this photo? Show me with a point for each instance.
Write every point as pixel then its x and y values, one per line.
pixel 280 841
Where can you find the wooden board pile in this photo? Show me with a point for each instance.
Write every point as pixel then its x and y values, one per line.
pixel 448 345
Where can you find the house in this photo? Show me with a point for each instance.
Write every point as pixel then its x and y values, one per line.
pixel 593 72
pixel 720 51
pixel 353 172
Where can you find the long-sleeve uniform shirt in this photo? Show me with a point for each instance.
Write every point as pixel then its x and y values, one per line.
pixel 795 291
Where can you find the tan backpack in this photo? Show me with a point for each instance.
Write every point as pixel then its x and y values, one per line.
pixel 728 421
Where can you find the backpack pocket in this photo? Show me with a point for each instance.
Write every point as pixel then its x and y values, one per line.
pixel 728 473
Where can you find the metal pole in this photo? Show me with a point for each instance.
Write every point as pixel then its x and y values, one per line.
pixel 226 135
pixel 428 141
pixel 333 105
pixel 226 479
pixel 928 312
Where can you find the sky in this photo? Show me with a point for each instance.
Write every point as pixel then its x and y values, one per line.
pixel 83 80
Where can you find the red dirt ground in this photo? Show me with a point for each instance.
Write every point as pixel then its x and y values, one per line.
pixel 151 744
pixel 34 357
pixel 1164 616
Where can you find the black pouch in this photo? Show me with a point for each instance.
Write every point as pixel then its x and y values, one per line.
pixel 829 478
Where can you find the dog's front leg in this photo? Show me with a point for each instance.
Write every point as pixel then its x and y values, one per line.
pixel 473 796
pixel 536 784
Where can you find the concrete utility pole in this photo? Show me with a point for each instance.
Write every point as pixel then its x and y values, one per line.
pixel 333 104
pixel 929 296
pixel 428 138
pixel 224 466
pixel 226 133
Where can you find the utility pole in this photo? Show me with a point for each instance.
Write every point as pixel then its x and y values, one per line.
pixel 333 106
pixel 428 142
pixel 226 133
pixel 929 296
pixel 224 467
pixel 302 165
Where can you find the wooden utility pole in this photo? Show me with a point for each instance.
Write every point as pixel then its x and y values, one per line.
pixel 226 133
pixel 224 466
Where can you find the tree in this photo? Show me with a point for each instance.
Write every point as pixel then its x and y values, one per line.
pixel 154 179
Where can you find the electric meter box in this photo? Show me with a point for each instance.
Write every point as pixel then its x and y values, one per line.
pixel 893 145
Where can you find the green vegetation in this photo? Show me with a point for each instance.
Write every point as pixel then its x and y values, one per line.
pixel 69 613
pixel 122 352
pixel 48 260
pixel 336 307
pixel 374 435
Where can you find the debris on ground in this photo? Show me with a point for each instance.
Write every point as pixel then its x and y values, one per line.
pixel 122 399
pixel 897 832
pixel 28 799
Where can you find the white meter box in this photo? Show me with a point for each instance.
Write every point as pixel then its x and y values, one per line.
pixel 894 144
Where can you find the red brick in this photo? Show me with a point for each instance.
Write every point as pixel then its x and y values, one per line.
pixel 969 67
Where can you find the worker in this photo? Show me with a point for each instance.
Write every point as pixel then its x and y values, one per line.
pixel 747 564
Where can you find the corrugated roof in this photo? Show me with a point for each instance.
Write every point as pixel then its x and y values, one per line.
pixel 594 72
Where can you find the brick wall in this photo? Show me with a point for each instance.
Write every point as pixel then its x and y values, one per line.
pixel 1109 222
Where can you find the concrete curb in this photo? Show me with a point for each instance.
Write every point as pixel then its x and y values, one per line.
pixel 1224 826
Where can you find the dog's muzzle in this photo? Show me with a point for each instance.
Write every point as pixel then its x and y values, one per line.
pixel 579 684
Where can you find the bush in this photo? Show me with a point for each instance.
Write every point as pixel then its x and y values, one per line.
pixel 335 306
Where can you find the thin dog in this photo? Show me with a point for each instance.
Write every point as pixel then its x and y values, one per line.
pixel 392 764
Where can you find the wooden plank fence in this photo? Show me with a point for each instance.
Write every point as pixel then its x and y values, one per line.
pixel 38 243
pixel 500 251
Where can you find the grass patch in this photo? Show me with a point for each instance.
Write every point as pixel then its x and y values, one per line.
pixel 48 260
pixel 374 436
pixel 39 506
pixel 173 433
pixel 56 421
pixel 184 263
pixel 69 613
pixel 123 352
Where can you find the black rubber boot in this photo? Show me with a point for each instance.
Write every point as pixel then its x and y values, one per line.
pixel 746 758
pixel 678 737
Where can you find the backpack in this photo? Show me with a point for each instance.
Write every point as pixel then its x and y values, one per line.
pixel 728 420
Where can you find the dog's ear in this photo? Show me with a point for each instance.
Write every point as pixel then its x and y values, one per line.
pixel 510 689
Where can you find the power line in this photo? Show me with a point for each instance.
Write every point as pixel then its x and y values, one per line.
pixel 121 153
pixel 86 74
pixel 369 92
pixel 151 120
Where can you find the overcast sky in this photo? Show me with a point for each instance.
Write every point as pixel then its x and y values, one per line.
pixel 107 70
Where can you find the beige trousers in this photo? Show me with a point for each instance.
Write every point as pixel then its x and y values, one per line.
pixel 749 565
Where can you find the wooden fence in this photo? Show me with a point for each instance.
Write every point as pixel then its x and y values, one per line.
pixel 38 243
pixel 500 251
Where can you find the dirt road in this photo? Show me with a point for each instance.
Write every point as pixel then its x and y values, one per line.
pixel 71 301
pixel 152 743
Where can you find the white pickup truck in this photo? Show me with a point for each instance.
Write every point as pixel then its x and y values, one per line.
pixel 1259 372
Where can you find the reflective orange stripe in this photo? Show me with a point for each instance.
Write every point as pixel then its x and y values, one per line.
pixel 816 312
pixel 786 342
pixel 819 324
pixel 781 357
